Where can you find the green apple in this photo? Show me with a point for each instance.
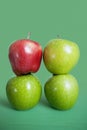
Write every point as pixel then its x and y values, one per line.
pixel 23 92
pixel 60 56
pixel 62 91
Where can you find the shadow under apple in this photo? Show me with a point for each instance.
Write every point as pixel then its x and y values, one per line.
pixel 44 102
pixel 5 103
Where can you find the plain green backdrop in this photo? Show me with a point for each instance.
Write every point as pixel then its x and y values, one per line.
pixel 45 19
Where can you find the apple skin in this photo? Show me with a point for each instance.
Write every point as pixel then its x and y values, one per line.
pixel 25 56
pixel 60 56
pixel 23 92
pixel 62 91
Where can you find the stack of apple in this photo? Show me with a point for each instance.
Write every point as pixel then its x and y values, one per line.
pixel 24 90
pixel 60 56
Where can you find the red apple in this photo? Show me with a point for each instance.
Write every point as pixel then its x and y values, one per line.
pixel 25 56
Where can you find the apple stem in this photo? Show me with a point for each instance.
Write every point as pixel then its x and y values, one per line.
pixel 29 33
pixel 58 36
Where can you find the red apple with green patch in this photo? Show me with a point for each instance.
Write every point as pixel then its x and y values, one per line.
pixel 25 56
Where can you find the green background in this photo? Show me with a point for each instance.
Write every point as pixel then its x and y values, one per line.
pixel 45 19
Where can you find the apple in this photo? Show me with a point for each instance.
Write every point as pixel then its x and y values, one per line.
pixel 23 92
pixel 62 91
pixel 60 56
pixel 25 56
